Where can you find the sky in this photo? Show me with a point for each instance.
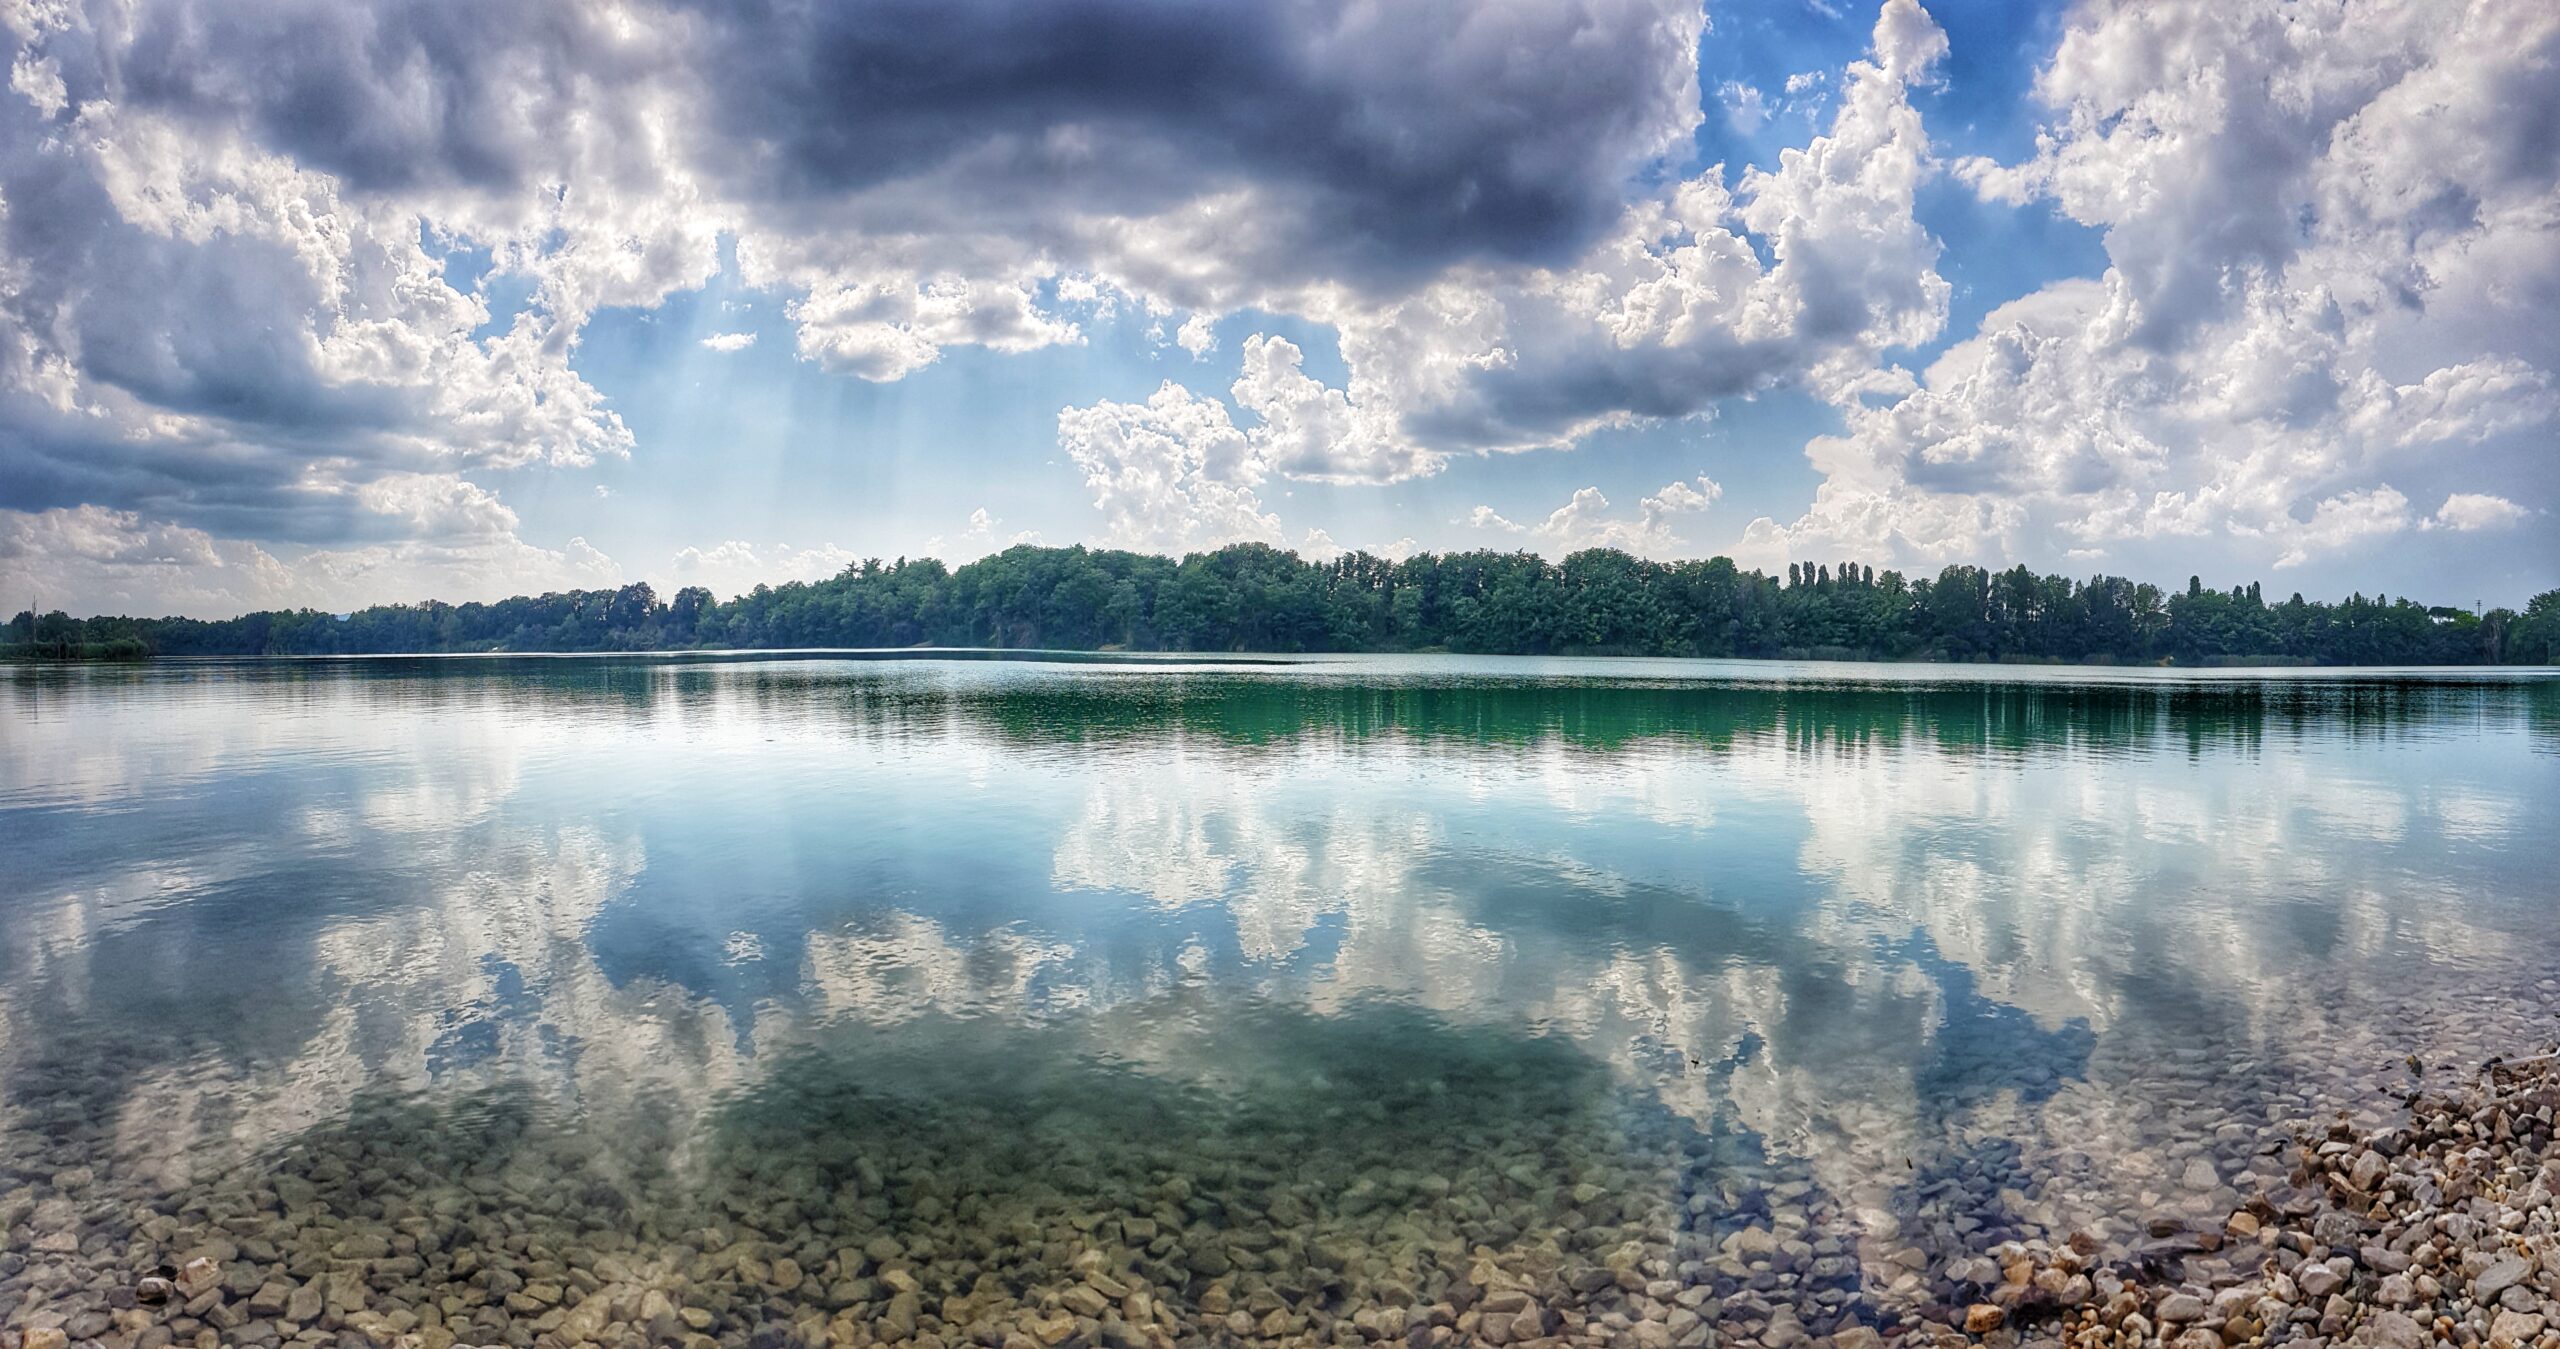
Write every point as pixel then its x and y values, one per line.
pixel 339 302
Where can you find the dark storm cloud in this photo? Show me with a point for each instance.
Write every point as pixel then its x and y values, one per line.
pixel 230 487
pixel 1383 141
pixel 210 210
pixel 386 95
pixel 1500 409
pixel 212 329
pixel 214 303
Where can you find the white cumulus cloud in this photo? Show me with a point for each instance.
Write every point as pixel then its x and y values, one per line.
pixel 1585 521
pixel 2466 511
pixel 2325 230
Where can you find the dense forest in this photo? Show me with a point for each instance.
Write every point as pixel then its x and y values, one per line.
pixel 1255 598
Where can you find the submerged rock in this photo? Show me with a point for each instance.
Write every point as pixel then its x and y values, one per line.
pixel 2445 1214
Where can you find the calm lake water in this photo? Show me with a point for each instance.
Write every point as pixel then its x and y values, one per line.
pixel 866 1001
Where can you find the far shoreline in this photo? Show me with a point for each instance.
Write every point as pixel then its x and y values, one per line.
pixel 1896 671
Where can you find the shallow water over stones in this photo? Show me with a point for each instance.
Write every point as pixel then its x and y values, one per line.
pixel 788 1002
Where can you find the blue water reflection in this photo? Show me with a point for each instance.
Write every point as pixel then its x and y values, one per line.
pixel 1889 960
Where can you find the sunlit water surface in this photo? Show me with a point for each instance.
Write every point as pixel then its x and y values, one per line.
pixel 1306 986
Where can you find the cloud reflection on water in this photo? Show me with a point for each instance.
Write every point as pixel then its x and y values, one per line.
pixel 1875 930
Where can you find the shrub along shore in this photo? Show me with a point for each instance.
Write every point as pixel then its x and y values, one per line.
pixel 1251 597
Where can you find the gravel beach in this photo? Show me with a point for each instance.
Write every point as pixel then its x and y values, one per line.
pixel 2437 1230
pixel 404 1230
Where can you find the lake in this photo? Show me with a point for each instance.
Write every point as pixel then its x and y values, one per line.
pixel 796 1001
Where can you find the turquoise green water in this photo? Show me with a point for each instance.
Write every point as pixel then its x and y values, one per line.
pixel 1294 992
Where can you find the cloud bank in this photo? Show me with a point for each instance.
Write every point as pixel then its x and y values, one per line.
pixel 2328 233
pixel 285 285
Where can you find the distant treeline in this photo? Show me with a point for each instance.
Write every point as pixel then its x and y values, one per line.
pixel 1255 598
pixel 63 640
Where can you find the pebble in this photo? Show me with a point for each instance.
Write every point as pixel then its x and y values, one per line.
pixel 2512 1329
pixel 2503 1273
pixel 2467 1187
pixel 2392 1330
pixel 199 1275
pixel 848 1218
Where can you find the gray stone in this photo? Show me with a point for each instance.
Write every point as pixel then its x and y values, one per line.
pixel 2392 1330
pixel 2514 1329
pixel 2503 1273
pixel 362 1246
pixel 2317 1280
pixel 200 1275
pixel 900 1318
pixel 1979 1270
pixel 2382 1259
pixel 1750 1242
